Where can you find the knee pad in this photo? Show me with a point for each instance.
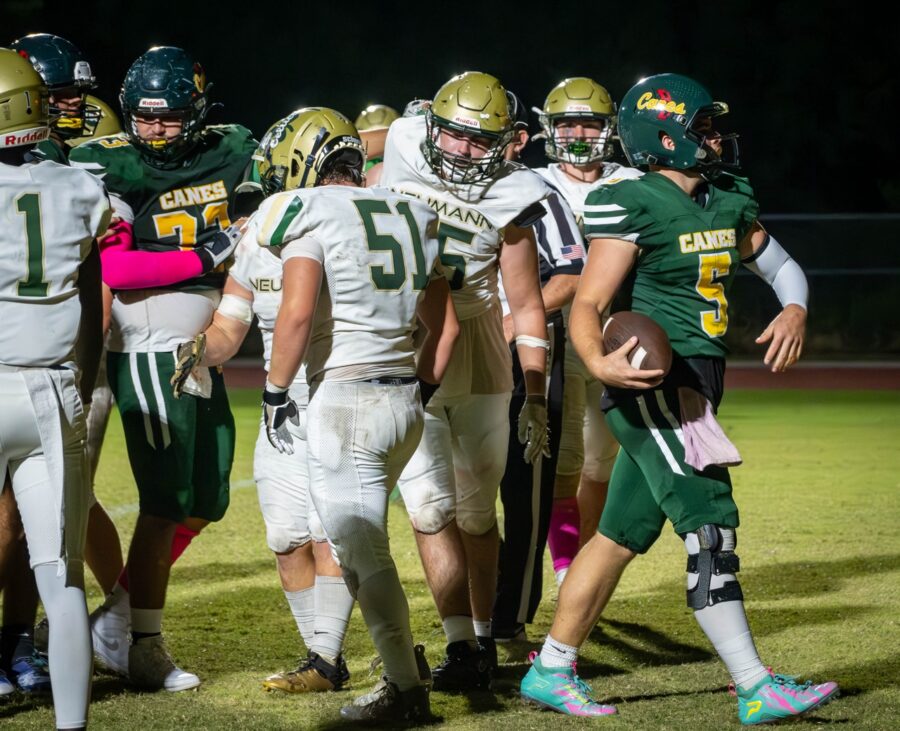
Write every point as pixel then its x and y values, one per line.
pixel 281 540
pixel 430 508
pixel 316 530
pixel 711 566
pixel 476 522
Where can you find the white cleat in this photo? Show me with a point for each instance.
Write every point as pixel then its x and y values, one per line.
pixel 110 634
pixel 6 687
pixel 150 666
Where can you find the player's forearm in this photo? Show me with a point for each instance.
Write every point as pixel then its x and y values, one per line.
pixel 223 340
pixel 288 347
pixel 586 332
pixel 126 268
pixel 559 291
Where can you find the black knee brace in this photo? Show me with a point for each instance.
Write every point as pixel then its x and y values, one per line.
pixel 712 559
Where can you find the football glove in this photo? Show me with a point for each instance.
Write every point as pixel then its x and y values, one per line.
pixel 533 432
pixel 217 250
pixel 278 407
pixel 187 355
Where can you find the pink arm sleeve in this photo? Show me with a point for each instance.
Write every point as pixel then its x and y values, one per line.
pixel 126 268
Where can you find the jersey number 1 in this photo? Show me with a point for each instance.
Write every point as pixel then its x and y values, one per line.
pixel 29 205
pixel 394 278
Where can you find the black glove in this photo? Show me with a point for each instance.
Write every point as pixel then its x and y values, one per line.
pixel 217 250
pixel 277 409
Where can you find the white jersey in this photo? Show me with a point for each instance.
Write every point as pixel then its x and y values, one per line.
pixel 472 217
pixel 576 192
pixel 378 251
pixel 49 216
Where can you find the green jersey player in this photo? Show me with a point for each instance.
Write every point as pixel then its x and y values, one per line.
pixel 171 181
pixel 684 226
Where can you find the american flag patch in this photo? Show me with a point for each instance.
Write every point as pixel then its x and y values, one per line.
pixel 575 251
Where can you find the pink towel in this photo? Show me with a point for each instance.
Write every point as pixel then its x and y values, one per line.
pixel 705 443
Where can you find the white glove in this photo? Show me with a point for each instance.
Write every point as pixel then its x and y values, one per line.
pixel 278 407
pixel 217 250
pixel 533 432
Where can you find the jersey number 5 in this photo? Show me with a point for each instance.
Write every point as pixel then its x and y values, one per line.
pixel 29 205
pixel 713 269
pixel 394 277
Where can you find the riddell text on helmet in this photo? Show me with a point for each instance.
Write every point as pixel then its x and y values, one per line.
pixel 26 137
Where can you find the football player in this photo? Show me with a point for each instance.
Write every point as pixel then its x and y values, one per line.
pixel 50 302
pixel 171 178
pixel 452 158
pixel 313 585
pixel 526 490
pixel 685 227
pixel 578 122
pixel 360 265
pixel 373 123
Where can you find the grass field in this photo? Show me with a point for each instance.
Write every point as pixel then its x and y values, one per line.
pixel 819 546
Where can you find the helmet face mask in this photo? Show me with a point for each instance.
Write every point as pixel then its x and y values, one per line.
pixel 301 150
pixel 165 83
pixel 471 111
pixel 682 109
pixel 575 100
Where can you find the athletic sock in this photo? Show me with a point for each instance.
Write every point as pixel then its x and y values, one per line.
pixel 180 541
pixel 145 623
pixel 384 607
pixel 459 628
pixel 333 605
pixel 562 537
pixel 555 654
pixel 483 629
pixel 303 607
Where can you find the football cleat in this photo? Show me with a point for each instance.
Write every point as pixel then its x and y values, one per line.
pixel 560 690
pixel 5 686
pixel 781 696
pixel 390 706
pixel 31 674
pixel 489 646
pixel 150 666
pixel 314 674
pixel 464 668
pixel 111 636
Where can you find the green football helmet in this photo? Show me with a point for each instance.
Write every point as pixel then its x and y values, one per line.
pixel 578 98
pixel 679 107
pixel 376 116
pixel 472 104
pixel 65 71
pixel 107 123
pixel 300 150
pixel 24 109
pixel 165 82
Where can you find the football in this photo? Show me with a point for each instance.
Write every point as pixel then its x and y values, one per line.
pixel 653 349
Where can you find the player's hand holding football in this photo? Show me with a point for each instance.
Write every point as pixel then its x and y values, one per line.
pixel 278 408
pixel 616 371
pixel 785 336
pixel 533 432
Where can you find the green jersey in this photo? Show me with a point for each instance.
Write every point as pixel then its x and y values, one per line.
pixel 176 206
pixel 688 251
pixel 49 150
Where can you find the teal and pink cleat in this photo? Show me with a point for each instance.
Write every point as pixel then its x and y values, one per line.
pixel 561 690
pixel 780 696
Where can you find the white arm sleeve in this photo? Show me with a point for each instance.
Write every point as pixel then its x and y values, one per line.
pixel 307 247
pixel 775 266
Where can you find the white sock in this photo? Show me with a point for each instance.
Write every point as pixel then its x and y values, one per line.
pixel 333 606
pixel 69 648
pixel 303 607
pixel 459 627
pixel 555 654
pixel 146 621
pixel 561 575
pixel 482 629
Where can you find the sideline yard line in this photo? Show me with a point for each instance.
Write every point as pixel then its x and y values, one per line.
pixel 123 511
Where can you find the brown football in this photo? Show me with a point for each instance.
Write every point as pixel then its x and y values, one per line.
pixel 653 349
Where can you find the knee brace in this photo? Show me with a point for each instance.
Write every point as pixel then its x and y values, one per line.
pixel 710 556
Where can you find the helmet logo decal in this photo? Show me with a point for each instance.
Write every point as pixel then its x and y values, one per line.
pixel 467 121
pixel 199 78
pixel 152 103
pixel 663 103
pixel 578 108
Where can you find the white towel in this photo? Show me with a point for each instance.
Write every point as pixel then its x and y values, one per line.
pixel 705 443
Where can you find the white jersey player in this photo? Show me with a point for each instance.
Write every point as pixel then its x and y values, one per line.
pixel 51 307
pixel 358 271
pixel 452 158
pixel 578 121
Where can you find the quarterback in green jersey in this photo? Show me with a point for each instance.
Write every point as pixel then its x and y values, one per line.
pixel 171 180
pixel 684 227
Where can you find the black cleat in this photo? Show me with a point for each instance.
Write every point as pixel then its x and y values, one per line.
pixel 489 646
pixel 465 668
pixel 388 705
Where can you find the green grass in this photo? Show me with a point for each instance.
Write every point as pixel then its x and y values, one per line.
pixel 819 545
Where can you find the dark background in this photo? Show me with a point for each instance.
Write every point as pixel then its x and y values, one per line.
pixel 813 87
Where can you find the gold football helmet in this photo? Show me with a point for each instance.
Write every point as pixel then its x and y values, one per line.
pixel 106 122
pixel 24 105
pixel 472 104
pixel 376 116
pixel 299 150
pixel 578 99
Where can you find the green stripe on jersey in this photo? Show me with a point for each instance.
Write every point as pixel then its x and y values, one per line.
pixel 287 218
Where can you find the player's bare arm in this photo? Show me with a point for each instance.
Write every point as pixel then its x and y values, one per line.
pixel 608 263
pixel 302 280
pixel 557 293
pixel 437 314
pixel 89 346
pixel 786 333
pixel 229 326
